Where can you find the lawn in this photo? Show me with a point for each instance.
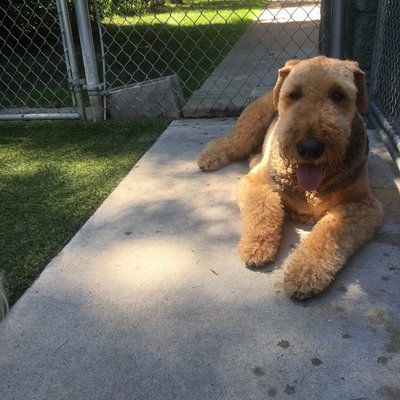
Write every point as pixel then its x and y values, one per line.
pixel 53 177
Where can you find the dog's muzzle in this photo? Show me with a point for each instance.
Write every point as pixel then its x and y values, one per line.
pixel 310 149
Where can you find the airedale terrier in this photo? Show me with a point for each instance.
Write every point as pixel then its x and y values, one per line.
pixel 312 168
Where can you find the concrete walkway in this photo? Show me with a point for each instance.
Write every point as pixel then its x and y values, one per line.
pixel 150 300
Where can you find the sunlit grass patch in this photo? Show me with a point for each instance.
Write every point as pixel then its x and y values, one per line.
pixel 186 17
pixel 54 175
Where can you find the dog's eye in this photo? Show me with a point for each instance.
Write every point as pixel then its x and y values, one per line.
pixel 337 96
pixel 296 95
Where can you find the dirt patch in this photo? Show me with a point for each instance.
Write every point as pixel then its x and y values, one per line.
pixel 392 393
pixel 376 315
pixel 393 346
pixel 316 362
pixel 258 371
pixel 284 344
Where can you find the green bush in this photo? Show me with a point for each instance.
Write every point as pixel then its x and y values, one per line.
pixel 128 7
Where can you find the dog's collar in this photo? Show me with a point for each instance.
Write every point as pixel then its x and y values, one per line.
pixel 331 185
pixel 354 160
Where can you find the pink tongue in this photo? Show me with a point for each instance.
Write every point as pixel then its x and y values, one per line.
pixel 309 176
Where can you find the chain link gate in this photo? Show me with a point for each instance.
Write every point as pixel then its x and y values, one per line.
pixel 147 57
pixel 36 74
pixel 385 77
pixel 199 58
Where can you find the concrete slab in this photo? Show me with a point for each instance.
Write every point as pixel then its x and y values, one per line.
pixel 150 300
pixel 151 98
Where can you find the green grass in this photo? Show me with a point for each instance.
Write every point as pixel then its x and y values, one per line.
pixel 53 177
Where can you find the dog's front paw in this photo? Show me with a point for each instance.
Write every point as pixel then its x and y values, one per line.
pixel 256 253
pixel 210 160
pixel 303 280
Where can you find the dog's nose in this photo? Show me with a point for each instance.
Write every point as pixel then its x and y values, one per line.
pixel 310 149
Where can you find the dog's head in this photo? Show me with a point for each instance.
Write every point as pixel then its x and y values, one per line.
pixel 317 101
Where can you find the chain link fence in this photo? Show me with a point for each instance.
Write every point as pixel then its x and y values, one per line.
pixel 68 59
pixel 201 58
pixel 385 79
pixel 151 57
pixel 34 81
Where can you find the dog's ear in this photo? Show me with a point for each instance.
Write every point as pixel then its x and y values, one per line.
pixel 282 74
pixel 359 80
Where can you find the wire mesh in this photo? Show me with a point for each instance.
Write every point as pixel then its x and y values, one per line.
pixel 223 53
pixel 33 74
pixel 385 96
pixel 170 57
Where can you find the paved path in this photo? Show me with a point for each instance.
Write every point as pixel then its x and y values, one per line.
pixel 150 300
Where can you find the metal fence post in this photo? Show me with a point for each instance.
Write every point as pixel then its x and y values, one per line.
pixel 70 55
pixel 89 58
pixel 337 28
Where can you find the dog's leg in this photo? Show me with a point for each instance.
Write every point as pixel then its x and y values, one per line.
pixel 245 139
pixel 334 238
pixel 262 218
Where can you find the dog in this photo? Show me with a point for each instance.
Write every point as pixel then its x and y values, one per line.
pixel 312 168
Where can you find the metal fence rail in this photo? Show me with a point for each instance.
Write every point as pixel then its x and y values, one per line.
pixel 385 79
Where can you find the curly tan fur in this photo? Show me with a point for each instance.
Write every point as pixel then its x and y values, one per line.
pixel 317 101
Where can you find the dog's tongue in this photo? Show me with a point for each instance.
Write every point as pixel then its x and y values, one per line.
pixel 309 176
